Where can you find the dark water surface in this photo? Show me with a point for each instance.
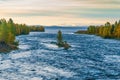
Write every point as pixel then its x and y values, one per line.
pixel 89 58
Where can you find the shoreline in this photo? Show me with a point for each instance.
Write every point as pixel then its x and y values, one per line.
pixel 4 47
pixel 9 30
pixel 81 32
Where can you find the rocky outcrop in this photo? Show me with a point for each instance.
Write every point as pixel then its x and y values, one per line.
pixel 60 41
pixel 4 47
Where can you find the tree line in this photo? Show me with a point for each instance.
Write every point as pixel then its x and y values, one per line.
pixel 9 29
pixel 107 30
pixel 37 28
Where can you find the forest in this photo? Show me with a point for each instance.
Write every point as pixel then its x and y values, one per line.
pixel 107 30
pixel 9 30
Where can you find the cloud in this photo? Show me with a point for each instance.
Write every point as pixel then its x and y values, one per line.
pixel 77 9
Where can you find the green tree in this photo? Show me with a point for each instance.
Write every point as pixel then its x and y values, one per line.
pixel 11 26
pixel 106 31
pixel 59 37
pixel 4 31
pixel 91 29
pixel 107 24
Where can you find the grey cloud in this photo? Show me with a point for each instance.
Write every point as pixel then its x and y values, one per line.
pixel 76 8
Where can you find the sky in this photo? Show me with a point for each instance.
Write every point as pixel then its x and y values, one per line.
pixel 61 12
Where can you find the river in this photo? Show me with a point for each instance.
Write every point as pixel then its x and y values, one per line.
pixel 89 58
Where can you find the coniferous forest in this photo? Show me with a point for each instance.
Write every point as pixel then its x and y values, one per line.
pixel 107 30
pixel 9 30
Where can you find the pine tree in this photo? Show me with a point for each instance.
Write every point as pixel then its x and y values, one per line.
pixel 59 37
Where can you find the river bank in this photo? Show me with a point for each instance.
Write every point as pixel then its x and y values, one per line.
pixel 91 57
pixel 4 47
pixel 9 30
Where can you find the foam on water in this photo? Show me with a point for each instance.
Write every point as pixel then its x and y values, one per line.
pixel 5 64
pixel 53 46
pixel 47 40
pixel 112 58
pixel 26 71
pixel 40 69
pixel 24 47
pixel 14 76
pixel 2 79
pixel 20 55
pixel 36 78
pixel 60 72
pixel 70 33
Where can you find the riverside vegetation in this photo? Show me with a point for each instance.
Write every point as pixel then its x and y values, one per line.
pixel 60 41
pixel 9 30
pixel 106 31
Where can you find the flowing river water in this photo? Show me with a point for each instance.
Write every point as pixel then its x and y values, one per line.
pixel 89 58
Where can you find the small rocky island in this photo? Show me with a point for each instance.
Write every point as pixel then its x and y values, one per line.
pixel 60 41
